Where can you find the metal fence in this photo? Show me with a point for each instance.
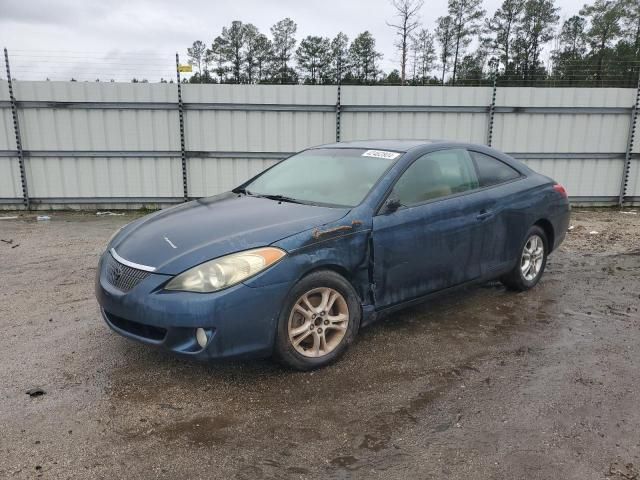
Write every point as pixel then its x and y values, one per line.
pixel 124 145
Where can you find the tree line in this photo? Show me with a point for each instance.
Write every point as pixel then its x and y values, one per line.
pixel 599 46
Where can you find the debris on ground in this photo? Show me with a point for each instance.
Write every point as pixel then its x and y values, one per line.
pixel 110 213
pixel 630 212
pixel 35 392
pixel 8 218
pixel 16 245
pixel 625 471
pixel 10 241
pixel 593 232
pixel 41 218
pixel 571 227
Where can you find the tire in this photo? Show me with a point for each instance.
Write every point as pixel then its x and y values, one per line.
pixel 310 335
pixel 522 277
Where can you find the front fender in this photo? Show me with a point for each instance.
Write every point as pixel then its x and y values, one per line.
pixel 348 253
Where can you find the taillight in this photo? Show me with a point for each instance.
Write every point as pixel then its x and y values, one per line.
pixel 561 190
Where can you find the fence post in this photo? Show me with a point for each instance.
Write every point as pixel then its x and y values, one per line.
pixel 629 153
pixel 338 106
pixel 492 109
pixel 16 128
pixel 183 153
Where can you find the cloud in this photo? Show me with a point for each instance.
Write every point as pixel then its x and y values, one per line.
pixel 60 12
pixel 121 37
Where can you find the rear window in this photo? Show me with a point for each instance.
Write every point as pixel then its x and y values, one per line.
pixel 492 171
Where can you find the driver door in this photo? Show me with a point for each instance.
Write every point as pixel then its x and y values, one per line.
pixel 435 239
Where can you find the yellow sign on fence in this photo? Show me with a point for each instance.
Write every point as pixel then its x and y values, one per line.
pixel 184 68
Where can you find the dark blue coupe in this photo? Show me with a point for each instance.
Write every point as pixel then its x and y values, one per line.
pixel 295 261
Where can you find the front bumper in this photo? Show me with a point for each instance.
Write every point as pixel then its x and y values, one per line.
pixel 240 321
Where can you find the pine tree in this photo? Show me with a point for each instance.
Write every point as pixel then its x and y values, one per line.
pixel 251 40
pixel 425 55
pixel 314 58
pixel 631 25
pixel 501 29
pixel 444 35
pixel 218 56
pixel 534 31
pixel 339 55
pixel 284 42
pixel 234 41
pixel 568 57
pixel 466 16
pixel 363 57
pixel 604 27
pixel 196 54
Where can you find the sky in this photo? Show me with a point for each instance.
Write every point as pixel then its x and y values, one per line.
pixel 122 39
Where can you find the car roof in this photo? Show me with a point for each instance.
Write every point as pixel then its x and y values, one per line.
pixel 404 146
pixel 393 145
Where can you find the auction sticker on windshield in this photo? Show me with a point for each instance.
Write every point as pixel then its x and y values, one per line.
pixel 381 154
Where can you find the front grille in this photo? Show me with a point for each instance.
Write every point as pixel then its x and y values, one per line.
pixel 121 276
pixel 138 329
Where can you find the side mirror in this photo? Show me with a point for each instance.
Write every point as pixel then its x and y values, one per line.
pixel 392 204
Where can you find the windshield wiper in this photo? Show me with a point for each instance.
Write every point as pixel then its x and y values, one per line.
pixel 280 198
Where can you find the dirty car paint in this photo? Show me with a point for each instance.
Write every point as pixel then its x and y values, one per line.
pixel 390 258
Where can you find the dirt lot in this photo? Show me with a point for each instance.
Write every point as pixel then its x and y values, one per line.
pixel 481 384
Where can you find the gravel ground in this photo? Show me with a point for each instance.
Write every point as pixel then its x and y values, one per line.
pixel 483 383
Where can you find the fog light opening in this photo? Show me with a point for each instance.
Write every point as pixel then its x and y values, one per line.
pixel 201 337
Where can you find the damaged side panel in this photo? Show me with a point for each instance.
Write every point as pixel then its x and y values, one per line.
pixel 344 248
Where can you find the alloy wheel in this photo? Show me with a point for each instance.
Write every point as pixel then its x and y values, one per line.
pixel 532 258
pixel 318 322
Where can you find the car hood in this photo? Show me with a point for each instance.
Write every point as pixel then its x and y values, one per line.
pixel 181 237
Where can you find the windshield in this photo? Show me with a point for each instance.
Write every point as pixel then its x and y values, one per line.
pixel 330 176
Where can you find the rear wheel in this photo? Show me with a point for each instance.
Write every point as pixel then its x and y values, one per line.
pixel 531 262
pixel 320 319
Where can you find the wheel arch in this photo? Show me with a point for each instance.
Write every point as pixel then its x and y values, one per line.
pixel 547 228
pixel 332 267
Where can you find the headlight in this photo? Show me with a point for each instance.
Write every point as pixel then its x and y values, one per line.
pixel 225 271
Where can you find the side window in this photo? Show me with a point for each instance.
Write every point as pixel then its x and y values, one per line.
pixel 492 171
pixel 435 175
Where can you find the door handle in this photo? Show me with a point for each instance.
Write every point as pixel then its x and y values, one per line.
pixel 483 215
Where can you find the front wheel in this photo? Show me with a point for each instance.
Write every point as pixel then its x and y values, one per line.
pixel 531 262
pixel 318 322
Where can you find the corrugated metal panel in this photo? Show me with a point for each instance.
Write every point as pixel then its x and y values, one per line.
pixel 81 129
pixel 59 129
pixel 7 135
pixel 241 131
pixel 560 133
pixel 471 127
pixel 212 128
pixel 260 94
pixel 583 177
pixel 98 129
pixel 208 130
pixel 571 132
pixel 104 177
pixel 95 92
pixel 210 176
pixel 633 186
pixel 10 186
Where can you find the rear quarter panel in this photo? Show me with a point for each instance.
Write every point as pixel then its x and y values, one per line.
pixel 521 204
